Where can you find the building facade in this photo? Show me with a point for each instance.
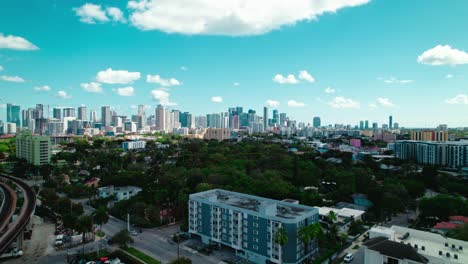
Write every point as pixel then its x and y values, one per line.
pixel 35 149
pixel 248 225
pixel 129 145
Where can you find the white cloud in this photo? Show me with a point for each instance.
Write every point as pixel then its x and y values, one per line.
pixel 290 79
pixel 459 99
pixel 62 94
pixel 162 96
pixel 385 102
pixel 16 43
pixel 92 87
pixel 272 103
pixel 2 106
pixel 12 78
pixel 329 90
pixel 184 68
pixel 443 55
pixel 116 14
pixel 228 17
pixel 161 81
pixel 236 84
pixel 44 88
pixel 449 76
pixel 342 102
pixel 1 68
pixel 216 99
pixel 294 103
pixel 304 75
pixel 126 91
pixel 372 105
pixel 91 13
pixel 117 76
pixel 393 80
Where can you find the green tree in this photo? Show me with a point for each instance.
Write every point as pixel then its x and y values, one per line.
pixel 281 238
pixel 100 216
pixel 84 225
pixel 122 238
pixel 305 235
pixel 460 233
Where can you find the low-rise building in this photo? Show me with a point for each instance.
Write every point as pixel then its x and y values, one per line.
pixel 435 248
pixel 129 145
pixel 344 216
pixel 119 193
pixel 248 224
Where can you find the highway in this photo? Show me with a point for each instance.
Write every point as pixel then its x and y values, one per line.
pixel 8 205
pixel 22 220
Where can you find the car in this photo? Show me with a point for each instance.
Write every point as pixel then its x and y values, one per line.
pixel 348 258
pixel 133 233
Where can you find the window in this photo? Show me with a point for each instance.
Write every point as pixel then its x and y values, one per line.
pixel 255 247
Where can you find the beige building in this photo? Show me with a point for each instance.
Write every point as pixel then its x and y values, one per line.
pixel 218 133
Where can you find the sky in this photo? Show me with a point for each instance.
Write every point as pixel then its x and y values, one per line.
pixel 342 60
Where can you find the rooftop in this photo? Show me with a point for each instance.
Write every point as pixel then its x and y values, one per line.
pixel 394 249
pixel 282 209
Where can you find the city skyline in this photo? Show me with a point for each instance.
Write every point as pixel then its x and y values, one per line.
pixel 320 62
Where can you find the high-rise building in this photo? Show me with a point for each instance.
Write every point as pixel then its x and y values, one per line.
pixel 141 110
pixel 13 114
pixel 366 124
pixel 265 118
pixel 361 125
pixel 390 122
pixel 39 112
pixel 57 113
pixel 105 116
pixel 249 224
pixel 35 149
pixel 27 118
pixel 69 112
pixel 282 119
pixel 92 116
pixel 317 122
pixel 275 117
pixel 375 125
pixel 82 115
pixel 160 115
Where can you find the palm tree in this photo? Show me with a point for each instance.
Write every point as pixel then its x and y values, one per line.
pixel 305 235
pixel 84 225
pixel 100 217
pixel 281 238
pixel 332 216
pixel 316 230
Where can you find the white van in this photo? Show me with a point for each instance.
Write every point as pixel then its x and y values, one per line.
pixel 59 240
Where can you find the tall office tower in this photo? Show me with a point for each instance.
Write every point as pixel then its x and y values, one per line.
pixel 141 110
pixel 375 125
pixel 82 113
pixel 184 119
pixel 282 119
pixel 265 117
pixel 69 112
pixel 57 113
pixel 235 122
pixel 390 122
pixel 13 114
pixel 208 120
pixel 239 110
pixel 317 122
pixel 27 116
pixel 160 116
pixel 200 122
pixel 366 125
pixel 39 113
pixel 92 116
pixel 442 127
pixel 275 117
pixel 361 125
pixel 105 116
pixel 396 126
pixel 117 121
pixel 215 120
pixel 55 127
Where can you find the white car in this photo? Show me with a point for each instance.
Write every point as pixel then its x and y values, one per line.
pixel 348 258
pixel 133 233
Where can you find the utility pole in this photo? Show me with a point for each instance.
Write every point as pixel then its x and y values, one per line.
pixel 128 222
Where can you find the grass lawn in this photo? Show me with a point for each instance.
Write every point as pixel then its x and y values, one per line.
pixel 138 254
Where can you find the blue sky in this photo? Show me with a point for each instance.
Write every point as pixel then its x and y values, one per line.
pixel 360 59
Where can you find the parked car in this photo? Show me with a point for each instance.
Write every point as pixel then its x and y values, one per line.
pixel 133 233
pixel 348 258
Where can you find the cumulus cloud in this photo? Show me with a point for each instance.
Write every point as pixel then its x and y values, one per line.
pixel 126 91
pixel 272 103
pixel 342 102
pixel 304 75
pixel 228 17
pixel 117 76
pixel 164 82
pixel 443 55
pixel 236 84
pixel 294 103
pixel 62 94
pixel 329 90
pixel 385 102
pixel 16 43
pixel 459 99
pixel 92 87
pixel 44 88
pixel 290 79
pixel 12 78
pixel 449 76
pixel 116 14
pixel 393 80
pixel 162 97
pixel 1 68
pixel 184 68
pixel 216 99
